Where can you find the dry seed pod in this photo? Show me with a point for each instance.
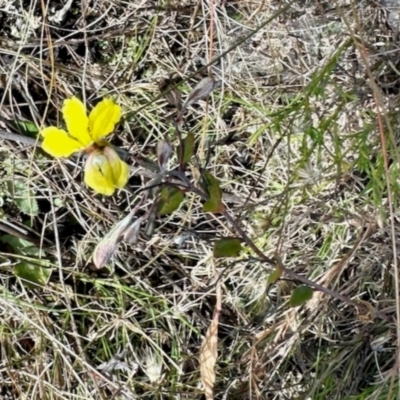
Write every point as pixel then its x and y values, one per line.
pixel 107 246
pixel 131 234
pixel 174 98
pixel 164 151
pixel 201 90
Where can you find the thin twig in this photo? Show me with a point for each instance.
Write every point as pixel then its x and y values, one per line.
pixel 15 137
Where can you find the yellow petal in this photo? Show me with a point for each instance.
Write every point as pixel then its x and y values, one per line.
pixel 74 113
pixel 57 142
pixel 123 176
pixel 98 174
pixel 103 118
pixel 119 168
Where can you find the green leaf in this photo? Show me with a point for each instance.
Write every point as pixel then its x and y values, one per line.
pixel 227 247
pixel 23 197
pixel 170 199
pixel 214 203
pixel 21 246
pixel 32 273
pixel 300 295
pixel 26 128
pixel 188 148
pixel 274 276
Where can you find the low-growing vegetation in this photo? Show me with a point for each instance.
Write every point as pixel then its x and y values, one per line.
pixel 235 235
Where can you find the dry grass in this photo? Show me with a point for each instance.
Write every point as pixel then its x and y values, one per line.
pixel 298 99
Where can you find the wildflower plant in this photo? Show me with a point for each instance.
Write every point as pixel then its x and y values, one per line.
pixel 169 187
pixel 104 170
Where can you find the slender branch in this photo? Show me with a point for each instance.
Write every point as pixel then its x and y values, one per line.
pixel 15 137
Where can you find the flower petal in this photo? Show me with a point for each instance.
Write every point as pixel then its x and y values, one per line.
pixel 74 113
pixel 123 176
pixel 57 142
pixel 98 174
pixel 103 118
pixel 119 168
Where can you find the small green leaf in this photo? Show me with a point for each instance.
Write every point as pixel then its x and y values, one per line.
pixel 23 197
pixel 27 128
pixel 214 203
pixel 21 246
pixel 274 276
pixel 300 295
pixel 170 199
pixel 32 273
pixel 188 148
pixel 227 247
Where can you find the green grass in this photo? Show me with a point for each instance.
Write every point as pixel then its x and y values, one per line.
pixel 308 158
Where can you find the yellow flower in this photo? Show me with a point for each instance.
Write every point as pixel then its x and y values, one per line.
pixel 104 170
